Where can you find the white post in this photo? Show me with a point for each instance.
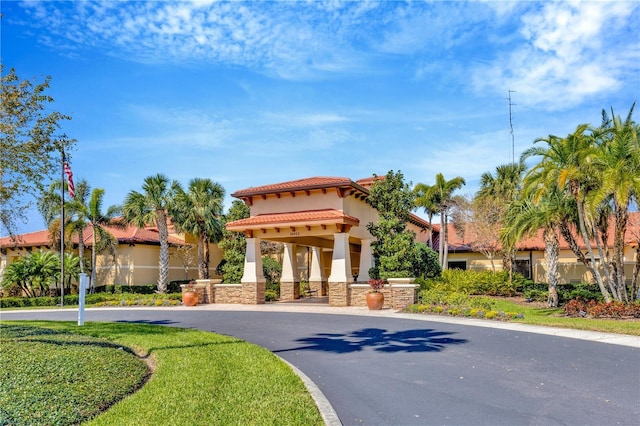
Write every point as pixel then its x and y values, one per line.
pixel 289 264
pixel 341 261
pixel 317 267
pixel 253 262
pixel 82 290
pixel 366 261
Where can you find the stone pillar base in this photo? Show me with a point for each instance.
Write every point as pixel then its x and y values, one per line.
pixel 320 287
pixel 289 290
pixel 338 294
pixel 403 292
pixel 253 293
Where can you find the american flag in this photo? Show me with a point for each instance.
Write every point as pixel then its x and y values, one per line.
pixel 67 171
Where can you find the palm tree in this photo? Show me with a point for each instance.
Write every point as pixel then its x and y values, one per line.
pixel 524 217
pixel 499 191
pixel 505 184
pixel 569 163
pixel 71 270
pixel 78 220
pixel 199 212
pixel 426 198
pixel 150 208
pixel 74 222
pixel 619 161
pixel 443 190
pixel 43 268
pixel 91 212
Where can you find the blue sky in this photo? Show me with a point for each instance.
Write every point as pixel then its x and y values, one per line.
pixel 252 93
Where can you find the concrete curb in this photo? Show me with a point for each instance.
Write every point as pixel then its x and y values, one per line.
pixel 311 308
pixel 327 412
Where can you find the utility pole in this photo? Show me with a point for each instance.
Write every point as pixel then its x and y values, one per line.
pixel 513 143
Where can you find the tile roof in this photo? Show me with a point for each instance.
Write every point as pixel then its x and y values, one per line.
pixel 317 182
pixel 536 242
pixel 286 219
pixel 128 235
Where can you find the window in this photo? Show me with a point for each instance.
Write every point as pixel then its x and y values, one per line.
pixel 523 267
pixel 461 264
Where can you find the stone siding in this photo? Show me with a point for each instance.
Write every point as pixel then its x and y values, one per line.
pixel 289 290
pixel 253 293
pixel 396 296
pixel 339 294
pixel 228 293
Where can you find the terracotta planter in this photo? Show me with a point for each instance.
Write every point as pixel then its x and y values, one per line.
pixel 190 298
pixel 375 300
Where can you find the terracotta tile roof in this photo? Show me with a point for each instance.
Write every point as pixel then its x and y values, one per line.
pixel 367 182
pixel 317 182
pixel 129 235
pixel 536 242
pixel 286 219
pixel 29 239
pixel 417 220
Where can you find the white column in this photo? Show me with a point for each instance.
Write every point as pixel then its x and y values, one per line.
pixel 289 264
pixel 317 268
pixel 253 262
pixel 341 261
pixel 366 260
pixel 3 264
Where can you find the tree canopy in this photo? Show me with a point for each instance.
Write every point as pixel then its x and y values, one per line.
pixel 393 246
pixel 31 144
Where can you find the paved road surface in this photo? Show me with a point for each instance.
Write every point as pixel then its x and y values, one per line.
pixel 385 370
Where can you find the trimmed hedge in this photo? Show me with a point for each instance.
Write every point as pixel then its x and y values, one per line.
pixel 125 299
pixel 476 282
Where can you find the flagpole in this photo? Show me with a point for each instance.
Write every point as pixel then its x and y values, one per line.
pixel 62 234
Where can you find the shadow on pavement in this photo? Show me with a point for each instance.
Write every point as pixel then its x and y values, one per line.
pixel 421 340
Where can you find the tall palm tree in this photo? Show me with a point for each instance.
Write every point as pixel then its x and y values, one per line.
pixel 198 211
pixel 90 211
pixel 619 161
pixel 426 198
pixel 570 164
pixel 74 222
pixel 150 207
pixel 524 217
pixel 444 190
pixel 505 184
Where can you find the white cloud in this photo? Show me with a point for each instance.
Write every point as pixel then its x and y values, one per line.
pixel 571 51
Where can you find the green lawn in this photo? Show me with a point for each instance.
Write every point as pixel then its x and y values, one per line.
pixel 551 317
pixel 199 378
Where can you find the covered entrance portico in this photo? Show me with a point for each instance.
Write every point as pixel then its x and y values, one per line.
pixel 328 216
pixel 336 257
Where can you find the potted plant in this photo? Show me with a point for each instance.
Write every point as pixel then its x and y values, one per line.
pixel 189 294
pixel 375 298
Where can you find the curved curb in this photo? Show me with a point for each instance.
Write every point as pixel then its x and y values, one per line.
pixel 592 336
pixel 327 412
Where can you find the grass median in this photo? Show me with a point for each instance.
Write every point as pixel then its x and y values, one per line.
pixel 553 317
pixel 198 377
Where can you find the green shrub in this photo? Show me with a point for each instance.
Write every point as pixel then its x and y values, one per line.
pixel 12 302
pixel 433 297
pixel 485 303
pixel 270 295
pixel 426 263
pixel 534 295
pixel 476 282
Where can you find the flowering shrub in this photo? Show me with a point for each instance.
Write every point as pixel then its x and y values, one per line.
pixel 376 285
pixel 581 308
pixel 464 312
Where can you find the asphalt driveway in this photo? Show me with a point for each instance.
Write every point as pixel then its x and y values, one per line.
pixel 399 371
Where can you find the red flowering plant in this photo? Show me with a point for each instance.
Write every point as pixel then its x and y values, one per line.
pixel 376 285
